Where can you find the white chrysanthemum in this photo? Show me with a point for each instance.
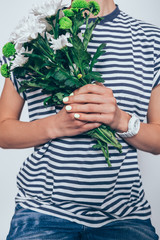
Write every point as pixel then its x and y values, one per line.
pixel 61 42
pixel 48 35
pixel 48 25
pixel 27 30
pixel 49 8
pixel 20 59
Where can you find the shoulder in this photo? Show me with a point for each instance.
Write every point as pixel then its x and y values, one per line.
pixel 137 22
pixel 147 28
pixel 141 30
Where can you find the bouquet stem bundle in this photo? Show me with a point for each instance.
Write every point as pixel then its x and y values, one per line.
pixel 53 56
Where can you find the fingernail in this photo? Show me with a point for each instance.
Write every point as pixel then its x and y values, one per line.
pixel 65 99
pixel 76 115
pixel 71 94
pixel 68 108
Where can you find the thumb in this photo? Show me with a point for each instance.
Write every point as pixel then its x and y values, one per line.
pixel 99 83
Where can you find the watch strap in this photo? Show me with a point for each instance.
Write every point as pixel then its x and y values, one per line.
pixel 133 127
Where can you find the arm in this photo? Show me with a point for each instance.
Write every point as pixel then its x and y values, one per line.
pixel 148 138
pixel 18 134
pixel 13 133
pixel 102 107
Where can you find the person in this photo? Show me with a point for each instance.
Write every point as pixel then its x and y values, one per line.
pixel 65 188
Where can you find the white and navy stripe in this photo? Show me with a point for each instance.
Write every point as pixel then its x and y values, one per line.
pixel 66 177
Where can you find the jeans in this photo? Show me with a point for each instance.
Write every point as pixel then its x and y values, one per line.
pixel 30 225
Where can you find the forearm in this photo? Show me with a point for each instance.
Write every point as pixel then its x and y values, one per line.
pixel 16 134
pixel 147 139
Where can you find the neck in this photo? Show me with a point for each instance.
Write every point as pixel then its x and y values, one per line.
pixel 107 6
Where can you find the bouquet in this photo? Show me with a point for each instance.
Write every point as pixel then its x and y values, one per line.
pixel 48 51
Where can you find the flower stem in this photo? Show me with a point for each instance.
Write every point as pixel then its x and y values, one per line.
pixel 85 83
pixel 87 19
pixel 38 46
pixel 41 74
pixel 50 21
pixel 106 153
pixel 104 137
pixel 111 138
pixel 70 61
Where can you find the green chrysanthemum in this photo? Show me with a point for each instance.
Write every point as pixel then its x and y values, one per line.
pixel 79 4
pixel 5 70
pixel 8 49
pixel 68 12
pixel 94 7
pixel 65 23
pixel 75 10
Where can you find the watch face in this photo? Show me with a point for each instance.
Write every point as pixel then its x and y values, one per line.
pixel 136 124
pixel 133 127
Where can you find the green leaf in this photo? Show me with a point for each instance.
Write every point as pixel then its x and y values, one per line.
pixel 73 82
pixel 93 76
pixel 41 41
pixel 57 98
pixel 80 56
pixel 22 89
pixel 51 73
pixel 35 56
pixel 96 146
pixel 60 96
pixel 38 60
pixel 56 30
pixel 88 32
pixel 43 48
pixel 97 54
pixel 78 21
pixel 36 84
pixel 20 72
pixel 61 58
pixel 60 76
pixel 47 101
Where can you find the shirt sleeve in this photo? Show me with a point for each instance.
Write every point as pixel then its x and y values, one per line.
pixel 15 82
pixel 156 79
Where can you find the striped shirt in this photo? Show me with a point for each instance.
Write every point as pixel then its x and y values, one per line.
pixel 68 179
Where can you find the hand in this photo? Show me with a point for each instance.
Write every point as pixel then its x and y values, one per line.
pixel 65 124
pixel 96 103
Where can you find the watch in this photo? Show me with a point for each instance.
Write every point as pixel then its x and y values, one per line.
pixel 133 127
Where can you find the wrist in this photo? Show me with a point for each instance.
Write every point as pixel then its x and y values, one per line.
pixel 51 128
pixel 123 122
pixel 133 127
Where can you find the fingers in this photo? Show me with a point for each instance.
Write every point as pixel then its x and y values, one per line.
pixel 69 125
pixel 94 118
pixel 85 93
pixel 90 126
pixel 87 127
pixel 88 98
pixel 91 108
pixel 85 98
pixel 100 84
pixel 93 104
pixel 94 88
pixel 80 126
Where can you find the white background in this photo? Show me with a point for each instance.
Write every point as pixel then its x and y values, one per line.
pixel 10 160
